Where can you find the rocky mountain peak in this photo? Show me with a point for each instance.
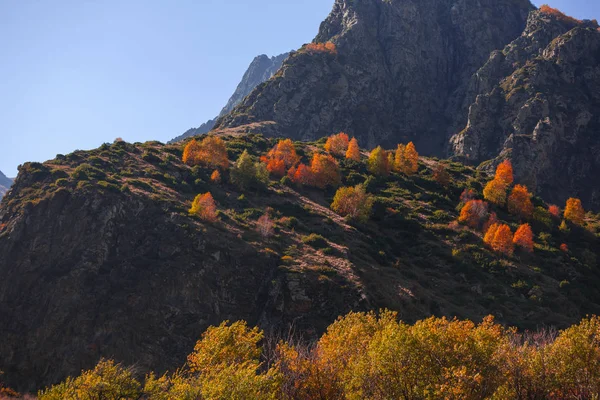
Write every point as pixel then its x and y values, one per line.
pixel 400 73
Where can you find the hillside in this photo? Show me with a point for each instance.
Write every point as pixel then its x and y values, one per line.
pixel 261 69
pixel 100 257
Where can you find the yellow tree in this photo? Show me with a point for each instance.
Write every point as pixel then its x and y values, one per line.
pixel 378 163
pixel 574 211
pixel 353 202
pixel 411 158
pixel 353 152
pixel 495 192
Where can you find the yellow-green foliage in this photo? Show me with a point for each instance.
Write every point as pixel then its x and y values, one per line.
pixel 368 356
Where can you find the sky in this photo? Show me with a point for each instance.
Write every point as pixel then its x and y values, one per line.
pixel 77 73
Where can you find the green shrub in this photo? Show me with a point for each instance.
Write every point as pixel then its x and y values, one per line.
pixel 315 240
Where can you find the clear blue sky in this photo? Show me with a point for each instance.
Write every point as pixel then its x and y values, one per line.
pixel 77 73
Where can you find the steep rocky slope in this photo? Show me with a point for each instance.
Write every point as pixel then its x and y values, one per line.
pixel 538 103
pixel 99 258
pixel 5 184
pixel 400 72
pixel 261 69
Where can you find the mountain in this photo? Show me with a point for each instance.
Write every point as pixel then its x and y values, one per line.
pixel 400 72
pixel 99 257
pixel 538 103
pixel 5 184
pixel 261 69
pixel 483 80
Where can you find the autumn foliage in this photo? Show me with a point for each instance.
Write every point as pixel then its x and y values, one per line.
pixel 366 356
pixel 353 202
pixel 500 238
pixel 546 9
pixel 524 238
pixel 210 152
pixel 281 158
pixel 473 213
pixel 328 47
pixel 215 177
pixel 378 163
pixel 504 173
pixel 353 152
pixel 301 175
pixel 406 159
pixel 574 211
pixel 324 171
pixel 204 206
pixel 519 202
pixel 554 211
pixel 495 190
pixel 337 144
pixel 441 175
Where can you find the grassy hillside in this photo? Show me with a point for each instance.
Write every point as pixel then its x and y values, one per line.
pixel 411 255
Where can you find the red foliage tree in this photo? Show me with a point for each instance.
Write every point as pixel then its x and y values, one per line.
pixel 337 144
pixel 301 175
pixel 204 206
pixel 441 175
pixel 519 202
pixel 467 194
pixel 554 211
pixel 190 153
pixel 473 213
pixel 564 248
pixel 281 157
pixel 328 47
pixel 524 238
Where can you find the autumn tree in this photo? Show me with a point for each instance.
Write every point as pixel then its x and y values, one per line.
pixel 211 152
pixel 441 175
pixel 337 144
pixel 574 211
pixel 281 157
pixel 504 173
pixel 353 152
pixel 467 194
pixel 490 234
pixel 353 202
pixel 191 152
pixel 473 213
pixel 554 211
pixel 204 207
pixel 406 159
pixel 107 381
pixel 324 171
pixel 503 240
pixel 524 238
pixel 564 248
pixel 301 175
pixel 378 163
pixel 495 192
pixel 247 173
pixel 215 177
pixel 519 202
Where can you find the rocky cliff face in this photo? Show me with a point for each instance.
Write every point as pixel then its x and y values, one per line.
pixel 537 102
pixel 5 184
pixel 261 69
pixel 401 71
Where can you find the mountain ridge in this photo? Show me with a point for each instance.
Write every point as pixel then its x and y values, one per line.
pixel 261 69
